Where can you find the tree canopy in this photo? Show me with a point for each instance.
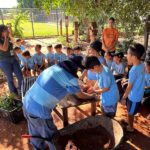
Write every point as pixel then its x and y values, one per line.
pixel 26 4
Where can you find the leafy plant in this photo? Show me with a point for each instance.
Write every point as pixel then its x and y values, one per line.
pixel 18 20
pixel 8 102
pixel 62 40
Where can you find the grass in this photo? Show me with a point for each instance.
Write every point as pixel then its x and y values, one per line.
pixel 40 29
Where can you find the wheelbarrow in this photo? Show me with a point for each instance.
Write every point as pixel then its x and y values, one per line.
pixel 112 127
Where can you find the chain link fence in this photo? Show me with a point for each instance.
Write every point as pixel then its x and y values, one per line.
pixel 35 22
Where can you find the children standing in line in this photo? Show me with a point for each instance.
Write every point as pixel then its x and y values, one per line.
pixel 50 56
pixel 135 89
pixel 108 58
pixel 118 67
pixel 107 86
pixel 29 64
pixel 39 59
pixel 59 55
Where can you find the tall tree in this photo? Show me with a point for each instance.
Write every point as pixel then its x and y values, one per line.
pixel 26 4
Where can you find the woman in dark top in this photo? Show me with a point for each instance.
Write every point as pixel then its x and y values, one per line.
pixel 8 61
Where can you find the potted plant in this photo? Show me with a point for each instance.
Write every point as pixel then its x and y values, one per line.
pixel 11 108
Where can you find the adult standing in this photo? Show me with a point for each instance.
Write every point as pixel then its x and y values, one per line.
pixel 50 87
pixel 110 37
pixel 8 61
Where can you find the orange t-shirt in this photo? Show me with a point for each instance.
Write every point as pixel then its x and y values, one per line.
pixel 109 36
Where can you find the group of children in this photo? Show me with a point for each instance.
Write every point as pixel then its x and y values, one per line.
pixel 38 62
pixel 102 73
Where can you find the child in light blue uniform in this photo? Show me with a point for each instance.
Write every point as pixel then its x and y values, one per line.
pixel 39 59
pixel 20 58
pixel 59 55
pixel 118 67
pixel 136 83
pixel 78 50
pixel 108 58
pixel 107 86
pixel 50 56
pixel 69 51
pixel 19 44
pixel 29 63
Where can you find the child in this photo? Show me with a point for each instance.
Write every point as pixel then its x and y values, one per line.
pixel 69 51
pixel 19 56
pixel 50 56
pixel 19 44
pixel 39 59
pixel 107 85
pixel 59 55
pixel 108 58
pixel 29 63
pixel 146 99
pixel 78 50
pixel 118 67
pixel 135 89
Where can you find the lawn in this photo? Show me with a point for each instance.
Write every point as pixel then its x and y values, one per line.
pixel 40 29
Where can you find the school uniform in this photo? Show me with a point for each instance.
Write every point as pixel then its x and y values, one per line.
pixel 30 62
pixel 60 57
pixel 109 64
pixel 22 60
pixel 137 78
pixel 50 57
pixel 38 59
pixel 110 98
pixel 92 75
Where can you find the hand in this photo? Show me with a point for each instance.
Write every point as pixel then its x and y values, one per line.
pixel 90 90
pixel 124 80
pixel 123 102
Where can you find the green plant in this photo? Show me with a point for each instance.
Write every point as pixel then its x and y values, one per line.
pixel 17 22
pixel 62 40
pixel 8 102
pixel 1 73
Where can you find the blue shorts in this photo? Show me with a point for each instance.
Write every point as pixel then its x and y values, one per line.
pixel 132 107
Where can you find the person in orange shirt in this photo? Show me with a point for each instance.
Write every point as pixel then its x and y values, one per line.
pixel 110 37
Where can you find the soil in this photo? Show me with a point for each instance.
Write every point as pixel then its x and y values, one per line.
pixel 87 139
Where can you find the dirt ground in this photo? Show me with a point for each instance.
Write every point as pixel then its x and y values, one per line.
pixel 10 134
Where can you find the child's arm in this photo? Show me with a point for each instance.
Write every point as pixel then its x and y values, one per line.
pixel 83 74
pixel 102 90
pixel 43 63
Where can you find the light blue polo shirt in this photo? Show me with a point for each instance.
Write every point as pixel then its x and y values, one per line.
pixel 50 87
pixel 50 56
pixel 38 59
pixel 109 64
pixel 118 68
pixel 60 57
pixel 92 75
pixel 22 59
pixel 105 80
pixel 30 62
pixel 137 77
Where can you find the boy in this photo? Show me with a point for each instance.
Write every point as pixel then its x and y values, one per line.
pixel 135 89
pixel 78 50
pixel 118 67
pixel 69 51
pixel 59 55
pixel 19 44
pixel 50 56
pixel 39 59
pixel 108 58
pixel 19 56
pixel 146 99
pixel 107 85
pixel 29 63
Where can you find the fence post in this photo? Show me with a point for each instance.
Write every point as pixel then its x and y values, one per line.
pixel 1 14
pixel 31 14
pixel 57 22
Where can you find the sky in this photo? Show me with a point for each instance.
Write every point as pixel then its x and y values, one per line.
pixel 8 3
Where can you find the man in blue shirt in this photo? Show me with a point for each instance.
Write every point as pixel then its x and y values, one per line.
pixel 107 86
pixel 135 89
pixel 50 87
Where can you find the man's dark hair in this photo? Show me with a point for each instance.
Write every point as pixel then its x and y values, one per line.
pixel 18 40
pixel 17 48
pixel 91 61
pixel 26 53
pixel 39 46
pixel 58 46
pixel 77 48
pixel 137 50
pixel 69 48
pixel 112 18
pixel 49 46
pixel 2 29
